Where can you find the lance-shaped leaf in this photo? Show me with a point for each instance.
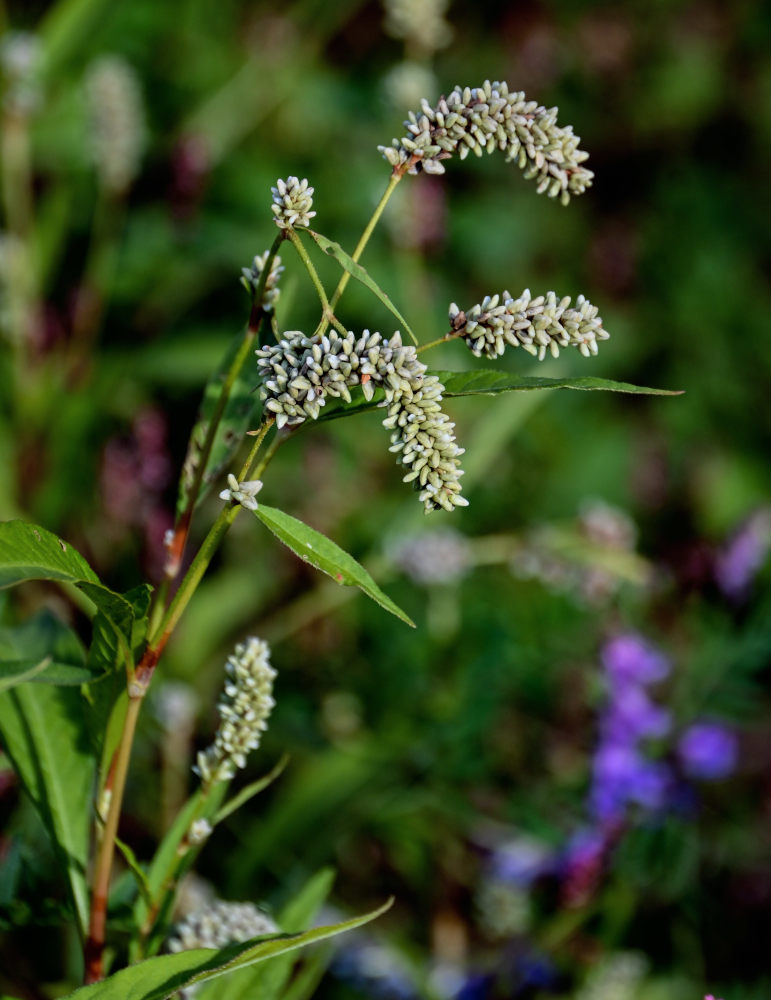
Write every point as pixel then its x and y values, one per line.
pixel 44 733
pixel 361 274
pixel 489 383
pixel 239 411
pixel 486 382
pixel 269 980
pixel 160 977
pixel 318 550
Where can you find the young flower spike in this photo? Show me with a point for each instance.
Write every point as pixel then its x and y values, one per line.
pixel 483 119
pixel 299 373
pixel 250 279
pixel 244 708
pixel 535 324
pixel 292 203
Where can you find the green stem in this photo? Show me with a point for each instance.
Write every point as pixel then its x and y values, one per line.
pixel 177 547
pixel 258 439
pixel 452 335
pixel 364 238
pixel 326 313
pixel 94 949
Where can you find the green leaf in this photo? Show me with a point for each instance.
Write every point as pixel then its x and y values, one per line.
pixel 318 550
pixel 167 863
pixel 28 552
pixel 241 410
pixel 136 870
pixel 250 791
pixel 160 977
pixel 268 981
pixel 44 733
pixel 489 383
pixel 42 639
pixel 361 274
pixel 486 382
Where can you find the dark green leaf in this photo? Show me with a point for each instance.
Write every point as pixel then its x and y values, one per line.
pixel 321 552
pixel 41 639
pixel 45 735
pixel 160 977
pixel 361 274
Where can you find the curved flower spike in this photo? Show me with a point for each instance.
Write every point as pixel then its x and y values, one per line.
pixel 483 119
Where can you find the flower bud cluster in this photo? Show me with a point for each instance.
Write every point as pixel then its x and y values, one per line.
pixel 244 708
pixel 300 372
pixel 220 924
pixel 250 279
pixel 535 324
pixel 244 492
pixel 483 119
pixel 117 121
pixel 292 203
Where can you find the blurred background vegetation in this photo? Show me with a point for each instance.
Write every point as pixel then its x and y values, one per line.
pixel 139 144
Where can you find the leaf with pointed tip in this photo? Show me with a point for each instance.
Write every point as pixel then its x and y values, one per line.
pixel 269 980
pixel 361 274
pixel 485 381
pixel 160 977
pixel 318 550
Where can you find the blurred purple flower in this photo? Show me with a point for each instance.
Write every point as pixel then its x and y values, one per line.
pixel 630 659
pixel 623 776
pixel 519 862
pixel 743 555
pixel 708 751
pixel 632 716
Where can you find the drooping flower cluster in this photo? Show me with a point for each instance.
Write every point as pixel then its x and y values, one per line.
pixel 244 707
pixel 487 118
pixel 216 926
pixel 250 279
pixel 292 203
pixel 117 121
pixel 300 372
pixel 535 324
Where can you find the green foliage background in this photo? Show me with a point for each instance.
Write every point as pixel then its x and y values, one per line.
pixel 406 744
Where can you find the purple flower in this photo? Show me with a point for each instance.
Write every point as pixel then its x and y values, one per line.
pixel 632 716
pixel 622 776
pixel 744 554
pixel 708 751
pixel 629 658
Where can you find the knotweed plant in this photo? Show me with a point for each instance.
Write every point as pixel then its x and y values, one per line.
pixel 304 377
